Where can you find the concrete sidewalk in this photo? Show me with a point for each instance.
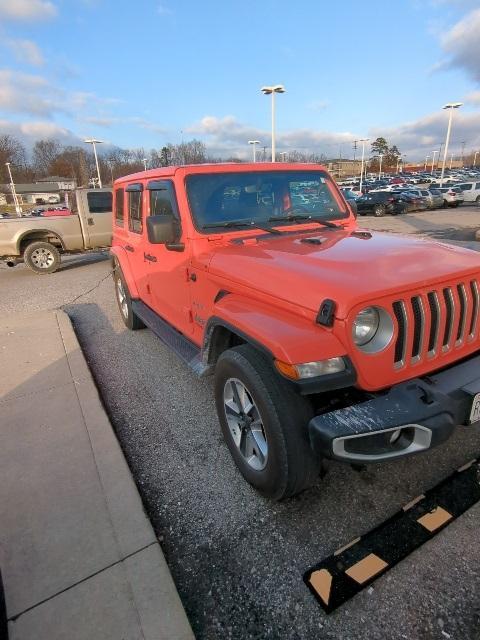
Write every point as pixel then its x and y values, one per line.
pixel 78 555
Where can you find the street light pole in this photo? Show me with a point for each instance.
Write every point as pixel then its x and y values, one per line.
pixel 363 159
pixel 426 158
pixel 284 155
pixel 380 155
pixel 144 160
pixel 433 158
pixel 475 158
pixel 93 142
pixel 450 106
pixel 12 187
pixel 272 90
pixel 451 160
pixel 254 148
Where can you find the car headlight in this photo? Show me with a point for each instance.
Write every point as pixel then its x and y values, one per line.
pixel 372 329
pixel 365 326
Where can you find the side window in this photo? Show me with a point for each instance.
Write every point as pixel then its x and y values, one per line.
pixel 477 186
pixel 119 207
pixel 161 203
pixel 135 211
pixel 99 201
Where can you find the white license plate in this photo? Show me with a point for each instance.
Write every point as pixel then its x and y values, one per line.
pixel 475 412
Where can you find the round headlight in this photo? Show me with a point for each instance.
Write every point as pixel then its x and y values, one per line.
pixel 372 329
pixel 365 326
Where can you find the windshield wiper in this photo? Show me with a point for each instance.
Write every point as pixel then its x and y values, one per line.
pixel 301 218
pixel 236 224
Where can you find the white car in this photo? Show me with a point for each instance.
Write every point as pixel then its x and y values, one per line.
pixel 451 197
pixel 471 191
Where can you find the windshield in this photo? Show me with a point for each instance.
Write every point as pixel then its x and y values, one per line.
pixel 259 196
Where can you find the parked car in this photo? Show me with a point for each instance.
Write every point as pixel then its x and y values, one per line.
pixel 419 202
pixel 381 202
pixel 433 200
pixel 40 243
pixel 55 211
pixel 471 191
pixel 452 197
pixel 324 340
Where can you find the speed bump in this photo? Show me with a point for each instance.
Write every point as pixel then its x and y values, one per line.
pixel 357 564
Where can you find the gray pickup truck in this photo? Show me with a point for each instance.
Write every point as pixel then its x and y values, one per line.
pixel 41 241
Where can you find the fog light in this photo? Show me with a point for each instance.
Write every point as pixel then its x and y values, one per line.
pixel 310 369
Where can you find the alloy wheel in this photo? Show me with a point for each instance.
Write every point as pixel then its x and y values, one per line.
pixel 42 258
pixel 245 424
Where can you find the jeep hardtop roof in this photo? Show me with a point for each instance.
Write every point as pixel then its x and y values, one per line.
pixel 219 167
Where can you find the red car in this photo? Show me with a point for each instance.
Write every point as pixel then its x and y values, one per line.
pixel 60 211
pixel 324 340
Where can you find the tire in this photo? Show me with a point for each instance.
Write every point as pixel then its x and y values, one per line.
pixel 278 462
pixel 477 200
pixel 124 302
pixel 379 210
pixel 42 257
pixel 445 204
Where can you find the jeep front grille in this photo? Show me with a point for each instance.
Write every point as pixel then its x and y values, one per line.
pixel 432 323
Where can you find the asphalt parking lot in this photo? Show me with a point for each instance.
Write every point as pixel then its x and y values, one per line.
pixel 237 559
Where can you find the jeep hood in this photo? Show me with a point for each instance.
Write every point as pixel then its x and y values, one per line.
pixel 347 267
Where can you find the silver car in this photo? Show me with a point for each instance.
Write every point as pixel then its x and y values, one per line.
pixel 434 200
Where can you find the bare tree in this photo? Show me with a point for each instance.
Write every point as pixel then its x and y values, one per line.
pixel 12 150
pixel 44 154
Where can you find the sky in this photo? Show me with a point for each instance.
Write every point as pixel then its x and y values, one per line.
pixel 147 73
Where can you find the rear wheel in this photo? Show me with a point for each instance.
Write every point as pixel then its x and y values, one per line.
pixel 42 257
pixel 264 423
pixel 124 302
pixel 477 200
pixel 379 210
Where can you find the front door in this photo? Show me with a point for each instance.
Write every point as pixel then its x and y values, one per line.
pixel 167 269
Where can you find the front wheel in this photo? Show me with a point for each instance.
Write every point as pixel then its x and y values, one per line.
pixel 42 257
pixel 264 423
pixel 124 302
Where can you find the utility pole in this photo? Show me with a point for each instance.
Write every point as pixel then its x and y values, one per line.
pixel 12 188
pixel 463 150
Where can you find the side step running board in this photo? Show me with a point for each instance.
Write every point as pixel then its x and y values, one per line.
pixel 184 348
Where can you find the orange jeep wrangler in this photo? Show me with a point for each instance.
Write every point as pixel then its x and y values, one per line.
pixel 324 341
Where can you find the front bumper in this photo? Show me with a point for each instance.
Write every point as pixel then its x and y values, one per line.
pixel 413 416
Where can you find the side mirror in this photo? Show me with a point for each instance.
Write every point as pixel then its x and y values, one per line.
pixel 162 229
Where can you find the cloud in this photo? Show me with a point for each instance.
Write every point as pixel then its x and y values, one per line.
pixel 26 51
pixel 108 121
pixel 422 136
pixel 226 136
pixel 462 44
pixel 472 98
pixel 82 99
pixel 32 94
pixel 163 10
pixel 29 132
pixel 318 105
pixel 27 10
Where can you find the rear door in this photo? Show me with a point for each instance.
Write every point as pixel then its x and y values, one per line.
pixel 167 268
pixel 95 212
pixel 135 235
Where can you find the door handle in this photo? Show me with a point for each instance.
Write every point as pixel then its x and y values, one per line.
pixel 128 247
pixel 150 258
